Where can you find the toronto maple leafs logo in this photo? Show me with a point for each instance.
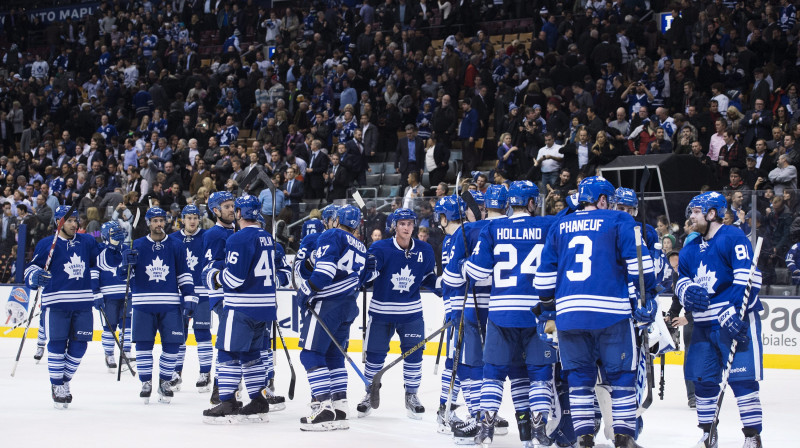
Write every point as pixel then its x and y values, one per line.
pixel 157 270
pixel 402 281
pixel 75 267
pixel 705 278
pixel 191 260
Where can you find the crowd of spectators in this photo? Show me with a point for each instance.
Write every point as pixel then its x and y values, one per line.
pixel 164 102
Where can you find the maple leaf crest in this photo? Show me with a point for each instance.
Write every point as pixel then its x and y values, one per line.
pixel 403 280
pixel 75 267
pixel 157 270
pixel 191 260
pixel 705 278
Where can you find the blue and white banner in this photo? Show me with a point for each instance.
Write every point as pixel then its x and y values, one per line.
pixel 58 13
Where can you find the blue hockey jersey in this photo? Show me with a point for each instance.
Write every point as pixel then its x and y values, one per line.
pixel 194 257
pixel 75 276
pixel 214 250
pixel 449 293
pixel 160 276
pixel 112 281
pixel 306 251
pixel 401 273
pixel 792 258
pixel 453 277
pixel 721 265
pixel 587 264
pixel 509 250
pixel 338 265
pixel 247 280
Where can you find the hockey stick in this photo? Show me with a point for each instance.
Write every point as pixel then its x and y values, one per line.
pixel 363 206
pixel 662 382
pixel 119 344
pixel 374 397
pixel 19 324
pixel 125 315
pixel 706 440
pixel 60 225
pixel 277 328
pixel 439 351
pixel 645 350
pixel 468 199
pixel 338 346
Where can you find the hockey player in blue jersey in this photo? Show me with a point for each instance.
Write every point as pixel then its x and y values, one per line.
pixel 246 277
pixel 220 204
pixel 792 259
pixel 451 211
pixel 163 294
pixel 470 368
pixel 112 288
pixel 331 290
pixel 509 250
pixel 192 237
pixel 582 281
pixel 398 267
pixel 69 289
pixel 304 260
pixel 714 273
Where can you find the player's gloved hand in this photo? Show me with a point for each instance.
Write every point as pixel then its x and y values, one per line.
pixel 696 298
pixel 210 275
pixel 646 314
pixel 545 312
pixel 98 302
pixel 39 279
pixel 115 239
pixel 370 268
pixel 305 296
pixel 733 326
pixel 130 257
pixel 189 306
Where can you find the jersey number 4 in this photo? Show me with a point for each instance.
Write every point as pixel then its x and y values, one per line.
pixel 501 268
pixel 348 260
pixel 263 267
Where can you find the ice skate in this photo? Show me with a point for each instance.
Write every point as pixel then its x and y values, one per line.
pixel 203 383
pixel 586 441
pixel 165 394
pixel 322 418
pixel 486 428
pixel 59 393
pixel 709 439
pixel 271 384
pixel 276 402
pixel 625 441
pixel 39 354
pixel 500 426
pixel 447 428
pixel 539 431
pixel 342 409
pixel 215 393
pixel 111 363
pixel 222 414
pixel 465 432
pixel 752 439
pixel 364 408
pixel 131 359
pixel 414 408
pixel 255 411
pixel 69 393
pixel 176 381
pixel 147 389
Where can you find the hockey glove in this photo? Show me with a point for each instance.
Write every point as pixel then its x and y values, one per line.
pixel 545 314
pixel 733 326
pixel 39 279
pixel 305 296
pixel 646 314
pixel 99 303
pixel 130 257
pixel 115 239
pixel 696 298
pixel 370 268
pixel 211 275
pixel 189 306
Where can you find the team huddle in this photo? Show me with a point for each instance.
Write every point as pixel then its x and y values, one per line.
pixel 561 306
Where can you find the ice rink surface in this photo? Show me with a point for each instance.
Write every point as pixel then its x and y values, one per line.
pixel 105 413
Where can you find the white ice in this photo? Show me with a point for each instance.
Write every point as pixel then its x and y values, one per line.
pixel 108 413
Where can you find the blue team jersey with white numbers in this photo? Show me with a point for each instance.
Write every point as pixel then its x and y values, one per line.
pixel 338 265
pixel 112 280
pixel 248 278
pixel 305 252
pixel 214 250
pixel 401 273
pixel 508 251
pixel 194 258
pixel 587 264
pixel 160 276
pixel 75 277
pixel 453 277
pixel 721 265
pixel 449 293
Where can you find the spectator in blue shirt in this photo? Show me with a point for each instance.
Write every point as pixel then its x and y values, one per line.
pixel 468 132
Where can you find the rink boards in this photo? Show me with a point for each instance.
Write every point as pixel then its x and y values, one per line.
pixel 780 325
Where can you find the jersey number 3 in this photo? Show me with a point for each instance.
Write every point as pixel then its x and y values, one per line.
pixel 583 257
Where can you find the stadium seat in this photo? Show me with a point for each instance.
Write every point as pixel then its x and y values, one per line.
pixel 390 157
pixel 391 179
pixel 388 168
pixel 376 167
pixel 426 180
pixel 783 290
pixel 782 276
pixel 374 180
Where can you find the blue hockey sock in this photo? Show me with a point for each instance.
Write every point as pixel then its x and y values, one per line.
pixel 374 365
pixel 41 341
pixel 706 399
pixel 205 353
pixel 229 372
pixel 179 359
pixel 747 398
pixel 253 374
pixel 447 374
pixel 266 360
pixel 107 339
pixel 75 353
pixel 126 342
pixel 520 389
pixel 166 365
pixel 339 382
pixel 491 395
pixel 540 396
pixel 320 381
pixel 623 410
pixel 144 360
pixel 56 359
pixel 412 375
pixel 582 409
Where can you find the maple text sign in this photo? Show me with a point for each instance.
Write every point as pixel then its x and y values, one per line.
pixel 58 14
